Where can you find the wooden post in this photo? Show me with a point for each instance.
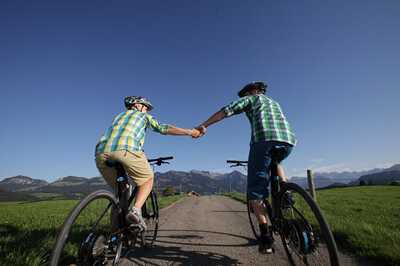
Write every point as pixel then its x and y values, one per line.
pixel 311 185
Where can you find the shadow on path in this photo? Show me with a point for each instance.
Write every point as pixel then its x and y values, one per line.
pixel 197 234
pixel 175 255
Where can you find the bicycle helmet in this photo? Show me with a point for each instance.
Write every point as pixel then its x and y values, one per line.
pixel 131 100
pixel 253 85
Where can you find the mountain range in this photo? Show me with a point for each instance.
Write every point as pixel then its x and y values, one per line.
pixel 204 182
pixel 376 176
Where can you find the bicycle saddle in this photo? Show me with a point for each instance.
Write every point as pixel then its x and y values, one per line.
pixel 117 165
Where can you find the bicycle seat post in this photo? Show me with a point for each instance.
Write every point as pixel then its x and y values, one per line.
pixel 122 188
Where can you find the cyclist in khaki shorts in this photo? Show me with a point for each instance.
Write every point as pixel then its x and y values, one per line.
pixel 123 142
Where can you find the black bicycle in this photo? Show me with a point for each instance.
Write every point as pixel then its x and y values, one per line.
pixel 96 232
pixel 296 218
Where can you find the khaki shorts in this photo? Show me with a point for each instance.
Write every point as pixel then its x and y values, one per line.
pixel 134 163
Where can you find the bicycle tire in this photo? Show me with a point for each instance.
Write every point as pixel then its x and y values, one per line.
pixel 73 216
pixel 301 223
pixel 253 220
pixel 150 212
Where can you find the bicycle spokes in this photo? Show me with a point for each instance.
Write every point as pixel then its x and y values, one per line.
pixel 87 241
pixel 304 231
pixel 150 215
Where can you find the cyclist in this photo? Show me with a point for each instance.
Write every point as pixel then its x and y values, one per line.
pixel 271 137
pixel 123 142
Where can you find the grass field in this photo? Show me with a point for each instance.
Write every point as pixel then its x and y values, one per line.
pixel 28 229
pixel 365 220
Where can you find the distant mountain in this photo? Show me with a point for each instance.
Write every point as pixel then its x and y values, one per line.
pixel 395 167
pixel 319 181
pixel 203 182
pixel 346 178
pixel 382 178
pixel 71 185
pixel 21 183
pixel 16 196
pixel 69 181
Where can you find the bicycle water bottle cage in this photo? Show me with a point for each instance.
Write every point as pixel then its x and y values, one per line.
pixel 121 179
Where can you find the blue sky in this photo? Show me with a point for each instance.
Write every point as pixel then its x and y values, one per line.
pixel 65 67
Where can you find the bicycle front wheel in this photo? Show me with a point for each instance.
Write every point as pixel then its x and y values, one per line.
pixel 253 220
pixel 255 227
pixel 150 214
pixel 85 238
pixel 305 234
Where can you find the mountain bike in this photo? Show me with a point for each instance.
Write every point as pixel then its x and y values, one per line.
pixel 96 232
pixel 296 218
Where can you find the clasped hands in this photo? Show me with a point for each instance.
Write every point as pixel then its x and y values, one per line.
pixel 198 131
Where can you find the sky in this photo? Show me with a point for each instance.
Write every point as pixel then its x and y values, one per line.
pixel 65 67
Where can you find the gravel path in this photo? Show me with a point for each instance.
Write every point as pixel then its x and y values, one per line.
pixel 208 230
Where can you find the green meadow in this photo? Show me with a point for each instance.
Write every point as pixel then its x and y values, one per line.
pixel 365 220
pixel 28 229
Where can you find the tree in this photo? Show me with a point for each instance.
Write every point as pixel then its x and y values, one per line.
pixel 169 191
pixel 362 183
pixel 395 183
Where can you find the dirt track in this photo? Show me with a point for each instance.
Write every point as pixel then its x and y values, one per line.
pixel 208 230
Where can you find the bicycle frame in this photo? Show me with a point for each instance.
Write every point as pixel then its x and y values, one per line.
pixel 272 206
pixel 124 191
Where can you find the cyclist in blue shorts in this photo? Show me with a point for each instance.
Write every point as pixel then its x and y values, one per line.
pixel 270 134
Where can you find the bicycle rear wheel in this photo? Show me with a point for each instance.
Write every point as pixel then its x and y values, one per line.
pixel 304 232
pixel 85 238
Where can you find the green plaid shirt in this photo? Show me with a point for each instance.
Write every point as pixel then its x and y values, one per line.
pixel 267 121
pixel 128 131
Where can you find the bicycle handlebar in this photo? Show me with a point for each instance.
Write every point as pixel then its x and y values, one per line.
pixel 237 163
pixel 160 160
pixel 234 161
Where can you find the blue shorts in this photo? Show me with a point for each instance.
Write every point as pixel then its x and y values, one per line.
pixel 260 157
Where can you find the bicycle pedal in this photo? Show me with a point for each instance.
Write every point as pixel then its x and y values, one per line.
pixel 136 227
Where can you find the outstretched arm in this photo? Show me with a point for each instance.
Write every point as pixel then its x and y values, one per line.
pixel 172 130
pixel 177 131
pixel 218 116
pixel 233 108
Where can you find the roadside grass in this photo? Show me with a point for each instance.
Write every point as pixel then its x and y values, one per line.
pixel 28 229
pixel 365 220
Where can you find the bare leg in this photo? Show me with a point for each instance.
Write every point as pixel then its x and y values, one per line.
pixel 143 192
pixel 266 240
pixel 281 173
pixel 258 206
pixel 259 211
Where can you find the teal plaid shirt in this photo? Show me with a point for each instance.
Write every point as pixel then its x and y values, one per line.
pixel 128 131
pixel 268 123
